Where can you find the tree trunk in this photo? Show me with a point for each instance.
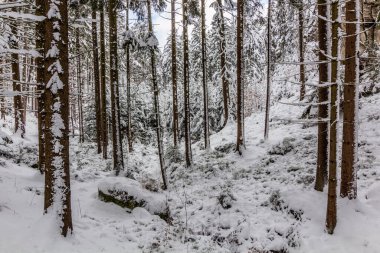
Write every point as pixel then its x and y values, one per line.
pixel 350 102
pixel 79 87
pixel 2 99
pixel 96 78
pixel 222 52
pixel 129 109
pixel 17 99
pixel 156 100
pixel 57 172
pixel 267 104
pixel 239 76
pixel 331 192
pixel 114 81
pixel 174 76
pixel 204 79
pixel 186 80
pixel 322 159
pixel 103 83
pixel 301 51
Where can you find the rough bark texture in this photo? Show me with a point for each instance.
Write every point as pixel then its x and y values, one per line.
pixel 57 172
pixel 239 76
pixel 186 80
pixel 349 147
pixel 96 78
pixel 206 131
pixel 322 159
pixel 301 52
pixel 156 100
pixel 103 83
pixel 332 180
pixel 222 52
pixel 114 82
pixel 174 75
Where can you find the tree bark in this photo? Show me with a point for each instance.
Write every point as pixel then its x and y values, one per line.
pixel 223 67
pixel 350 102
pixel 129 109
pixel 186 80
pixel 103 83
pixel 79 86
pixel 267 104
pixel 301 51
pixel 114 81
pixel 239 76
pixel 174 75
pixel 204 79
pixel 57 172
pixel 331 192
pixel 322 159
pixel 96 77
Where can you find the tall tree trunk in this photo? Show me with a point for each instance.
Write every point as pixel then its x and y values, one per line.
pixel 17 99
pixel 57 172
pixel 79 86
pixel 267 104
pixel 223 67
pixel 239 77
pixel 114 81
pixel 204 79
pixel 322 159
pixel 186 84
pixel 174 76
pixel 334 103
pixel 301 51
pixel 103 83
pixel 2 99
pixel 96 77
pixel 156 99
pixel 350 102
pixel 129 109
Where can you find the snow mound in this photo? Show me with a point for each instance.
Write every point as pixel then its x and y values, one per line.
pixel 129 193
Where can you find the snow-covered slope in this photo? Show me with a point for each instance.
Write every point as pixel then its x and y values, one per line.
pixel 262 201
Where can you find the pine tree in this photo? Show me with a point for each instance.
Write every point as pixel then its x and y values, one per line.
pixel 174 75
pixel 348 187
pixel 103 99
pixel 56 72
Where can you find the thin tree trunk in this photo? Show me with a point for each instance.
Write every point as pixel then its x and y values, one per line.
pixel 186 95
pixel 129 109
pixel 156 100
pixel 204 79
pixel 96 78
pixel 79 87
pixel 57 172
pixel 174 76
pixel 103 83
pixel 348 187
pixel 2 99
pixel 114 82
pixel 267 104
pixel 331 192
pixel 17 99
pixel 322 159
pixel 239 76
pixel 301 51
pixel 222 52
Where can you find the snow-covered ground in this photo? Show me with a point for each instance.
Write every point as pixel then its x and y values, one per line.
pixel 262 201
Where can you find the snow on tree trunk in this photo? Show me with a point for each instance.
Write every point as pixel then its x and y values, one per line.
pixel 57 172
pixel 114 82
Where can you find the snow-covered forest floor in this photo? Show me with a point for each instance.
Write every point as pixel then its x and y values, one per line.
pixel 262 201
